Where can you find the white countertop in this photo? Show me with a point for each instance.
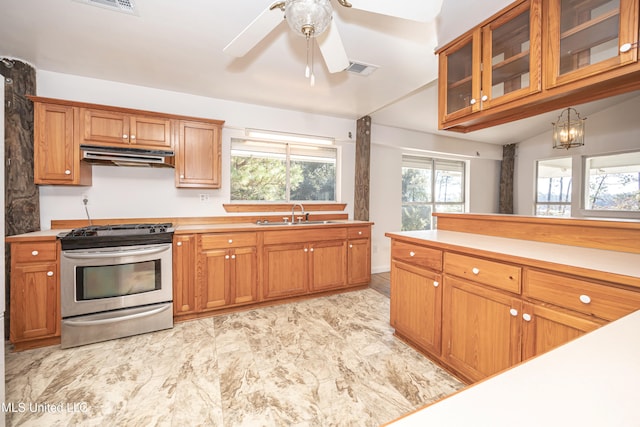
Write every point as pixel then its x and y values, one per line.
pixel 589 382
pixel 623 263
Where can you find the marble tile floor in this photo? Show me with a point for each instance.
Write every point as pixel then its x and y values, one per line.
pixel 329 361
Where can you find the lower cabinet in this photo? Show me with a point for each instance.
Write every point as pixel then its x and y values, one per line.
pixel 480 329
pixel 184 274
pixel 285 270
pixel 327 265
pixel 34 314
pixel 359 255
pixel 416 305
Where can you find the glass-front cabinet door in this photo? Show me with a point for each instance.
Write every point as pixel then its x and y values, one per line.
pixel 588 37
pixel 460 66
pixel 511 55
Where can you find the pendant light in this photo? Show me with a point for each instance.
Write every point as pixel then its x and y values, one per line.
pixel 568 131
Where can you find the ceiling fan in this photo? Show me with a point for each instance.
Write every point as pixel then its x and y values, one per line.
pixel 313 20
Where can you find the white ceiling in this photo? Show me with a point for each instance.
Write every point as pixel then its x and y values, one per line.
pixel 177 45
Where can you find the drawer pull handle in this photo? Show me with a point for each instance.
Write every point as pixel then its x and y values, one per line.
pixel 513 312
pixel 585 299
pixel 359 233
pixel 526 317
pixel 412 253
pixel 475 270
pixel 230 240
pixel 34 253
pixel 50 273
pixel 435 284
pixel 179 244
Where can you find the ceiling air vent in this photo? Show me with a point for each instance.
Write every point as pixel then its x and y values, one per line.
pixel 125 6
pixel 360 68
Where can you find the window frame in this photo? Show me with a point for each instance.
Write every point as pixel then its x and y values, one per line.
pixel 536 202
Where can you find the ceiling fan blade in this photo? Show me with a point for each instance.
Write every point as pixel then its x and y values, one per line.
pixel 332 49
pixel 254 32
pixel 422 11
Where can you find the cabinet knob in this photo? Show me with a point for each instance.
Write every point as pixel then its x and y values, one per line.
pixel 475 270
pixel 50 273
pixel 34 253
pixel 350 246
pixel 436 284
pixel 311 249
pixel 181 176
pixel 412 253
pixel 306 250
pixel 473 101
pixel 585 299
pixel 133 137
pixel 67 172
pixel 359 233
pixel 230 240
pixel 625 48
pixel 226 257
pixel 125 136
pixel 526 317
pixel 179 244
pixel 233 257
pixel 513 312
pixel 484 98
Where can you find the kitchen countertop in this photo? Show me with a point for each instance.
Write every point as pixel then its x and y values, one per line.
pixel 591 381
pixel 621 263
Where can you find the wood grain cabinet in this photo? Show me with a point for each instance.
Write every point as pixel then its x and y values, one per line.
pixel 56 146
pixel 184 274
pixel 495 63
pixel 228 270
pixel 359 255
pixel 198 155
pixel 35 294
pixel 117 128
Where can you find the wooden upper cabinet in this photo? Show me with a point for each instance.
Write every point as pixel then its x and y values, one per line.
pixel 589 37
pixel 198 156
pixel 116 128
pixel 56 147
pixel 511 51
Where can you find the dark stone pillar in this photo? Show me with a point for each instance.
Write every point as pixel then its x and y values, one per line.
pixel 22 201
pixel 363 158
pixel 506 178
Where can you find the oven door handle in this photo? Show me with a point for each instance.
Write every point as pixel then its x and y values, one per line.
pixel 72 322
pixel 116 253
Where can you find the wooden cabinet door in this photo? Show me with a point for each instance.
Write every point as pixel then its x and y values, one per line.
pixel 198 159
pixel 589 38
pixel 153 132
pixel 416 305
pixel 459 78
pixel 480 329
pixel 359 261
pixel 244 282
pixel 511 46
pixel 104 126
pixel 215 279
pixel 184 274
pixel 546 328
pixel 285 270
pixel 327 265
pixel 35 303
pixel 56 147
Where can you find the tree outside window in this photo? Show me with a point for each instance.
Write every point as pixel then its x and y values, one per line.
pixel 553 187
pixel 613 182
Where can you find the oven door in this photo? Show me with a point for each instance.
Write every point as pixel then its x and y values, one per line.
pixel 104 279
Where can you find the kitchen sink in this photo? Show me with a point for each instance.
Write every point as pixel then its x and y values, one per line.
pixel 297 223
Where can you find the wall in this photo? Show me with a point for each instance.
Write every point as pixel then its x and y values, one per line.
pixel 612 130
pixel 127 192
pixel 388 146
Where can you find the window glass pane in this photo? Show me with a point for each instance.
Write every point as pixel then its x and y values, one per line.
pixel 449 181
pixel 553 210
pixel 258 171
pixel 416 217
pixel 312 173
pixel 613 182
pixel 554 181
pixel 416 179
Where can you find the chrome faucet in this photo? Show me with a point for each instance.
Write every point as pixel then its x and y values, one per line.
pixel 293 208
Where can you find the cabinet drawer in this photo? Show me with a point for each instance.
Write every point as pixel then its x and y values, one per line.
pixel 417 255
pixel 302 235
pixel 599 300
pixel 228 240
pixel 34 251
pixel 491 273
pixel 359 232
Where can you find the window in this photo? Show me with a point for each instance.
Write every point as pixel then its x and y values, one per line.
pixel 282 172
pixel 430 185
pixel 612 182
pixel 553 187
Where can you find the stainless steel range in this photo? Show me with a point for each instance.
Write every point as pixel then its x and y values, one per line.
pixel 116 281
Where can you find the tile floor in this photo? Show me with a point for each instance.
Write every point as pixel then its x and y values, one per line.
pixel 329 361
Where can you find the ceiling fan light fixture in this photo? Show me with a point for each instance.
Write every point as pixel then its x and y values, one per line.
pixel 308 18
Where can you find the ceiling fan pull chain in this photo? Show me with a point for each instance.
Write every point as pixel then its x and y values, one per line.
pixel 307 70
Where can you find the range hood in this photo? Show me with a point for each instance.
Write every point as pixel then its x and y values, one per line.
pixel 126 156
